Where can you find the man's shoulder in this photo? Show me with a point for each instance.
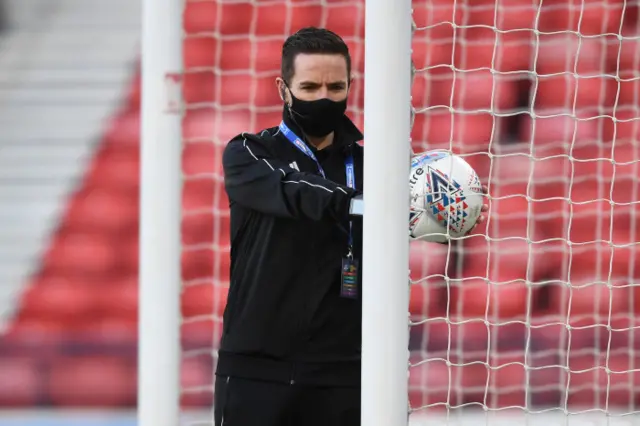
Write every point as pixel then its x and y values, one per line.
pixel 262 136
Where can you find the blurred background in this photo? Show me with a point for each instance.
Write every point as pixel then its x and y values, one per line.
pixel 538 310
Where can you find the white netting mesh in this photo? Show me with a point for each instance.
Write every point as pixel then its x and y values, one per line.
pixel 537 310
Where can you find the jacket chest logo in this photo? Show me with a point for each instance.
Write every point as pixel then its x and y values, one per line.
pixel 294 165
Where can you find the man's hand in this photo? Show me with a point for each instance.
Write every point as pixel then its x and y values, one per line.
pixel 484 209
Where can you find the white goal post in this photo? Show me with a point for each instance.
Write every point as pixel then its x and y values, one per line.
pixel 160 204
pixel 387 126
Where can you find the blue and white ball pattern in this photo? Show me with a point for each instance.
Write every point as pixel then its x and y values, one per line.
pixel 446 196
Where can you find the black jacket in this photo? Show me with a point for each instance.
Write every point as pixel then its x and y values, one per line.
pixel 285 319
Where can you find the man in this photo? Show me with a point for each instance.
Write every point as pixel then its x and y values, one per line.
pixel 290 349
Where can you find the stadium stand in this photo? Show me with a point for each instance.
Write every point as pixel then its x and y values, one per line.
pixel 73 339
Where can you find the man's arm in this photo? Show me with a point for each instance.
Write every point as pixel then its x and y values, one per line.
pixel 256 180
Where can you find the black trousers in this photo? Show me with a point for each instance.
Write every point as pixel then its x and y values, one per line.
pixel 244 402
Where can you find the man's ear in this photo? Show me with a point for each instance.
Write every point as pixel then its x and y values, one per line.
pixel 282 89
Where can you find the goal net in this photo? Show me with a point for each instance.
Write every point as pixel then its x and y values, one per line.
pixel 530 320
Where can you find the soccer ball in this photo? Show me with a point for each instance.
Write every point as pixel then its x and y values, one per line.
pixel 446 197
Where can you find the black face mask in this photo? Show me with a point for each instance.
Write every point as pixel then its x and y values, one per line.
pixel 317 118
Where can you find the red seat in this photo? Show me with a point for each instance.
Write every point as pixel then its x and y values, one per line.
pixel 435 384
pixel 553 132
pixel 436 12
pixel 134 93
pixel 586 293
pixel 198 228
pixel 202 157
pixel 439 129
pixel 280 19
pixel 591 386
pixel 199 87
pixel 238 89
pixel 230 18
pixel 346 19
pixel 128 254
pixel 504 15
pixel 21 382
pixel 204 299
pixel 625 130
pixel 120 299
pixel 108 331
pixel 251 55
pixel 568 92
pixel 205 264
pixel 568 53
pixel 473 90
pixel 92 381
pixel 123 129
pixel 196 381
pixel 586 17
pixel 483 48
pixel 117 167
pixel 201 16
pixel 199 52
pixel 204 194
pixel 81 254
pixel 59 300
pixel 507 381
pixel 432 48
pixel 199 333
pixel 26 335
pixel 105 209
pixel 235 54
pixel 427 263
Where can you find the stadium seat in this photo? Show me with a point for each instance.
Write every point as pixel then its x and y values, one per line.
pixel 134 93
pixel 81 254
pixel 102 208
pixel 437 383
pixel 589 294
pixel 474 90
pixel 123 129
pixel 346 19
pixel 272 18
pixel 569 92
pixel 196 381
pixel 120 299
pixel 427 264
pixel 587 17
pixel 504 15
pixel 591 385
pixel 200 333
pixel 21 382
pixel 230 19
pixel 107 334
pixel 199 52
pixel 204 299
pixel 569 53
pixel 555 132
pixel 479 47
pixel 201 16
pixel 96 381
pixel 117 167
pixel 507 377
pixel 59 300
pixel 436 12
pixel 204 193
pixel 199 86
pixel 432 48
pixel 463 133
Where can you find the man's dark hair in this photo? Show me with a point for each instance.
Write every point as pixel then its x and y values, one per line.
pixel 312 40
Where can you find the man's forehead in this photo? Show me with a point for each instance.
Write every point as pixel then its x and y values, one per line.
pixel 329 68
